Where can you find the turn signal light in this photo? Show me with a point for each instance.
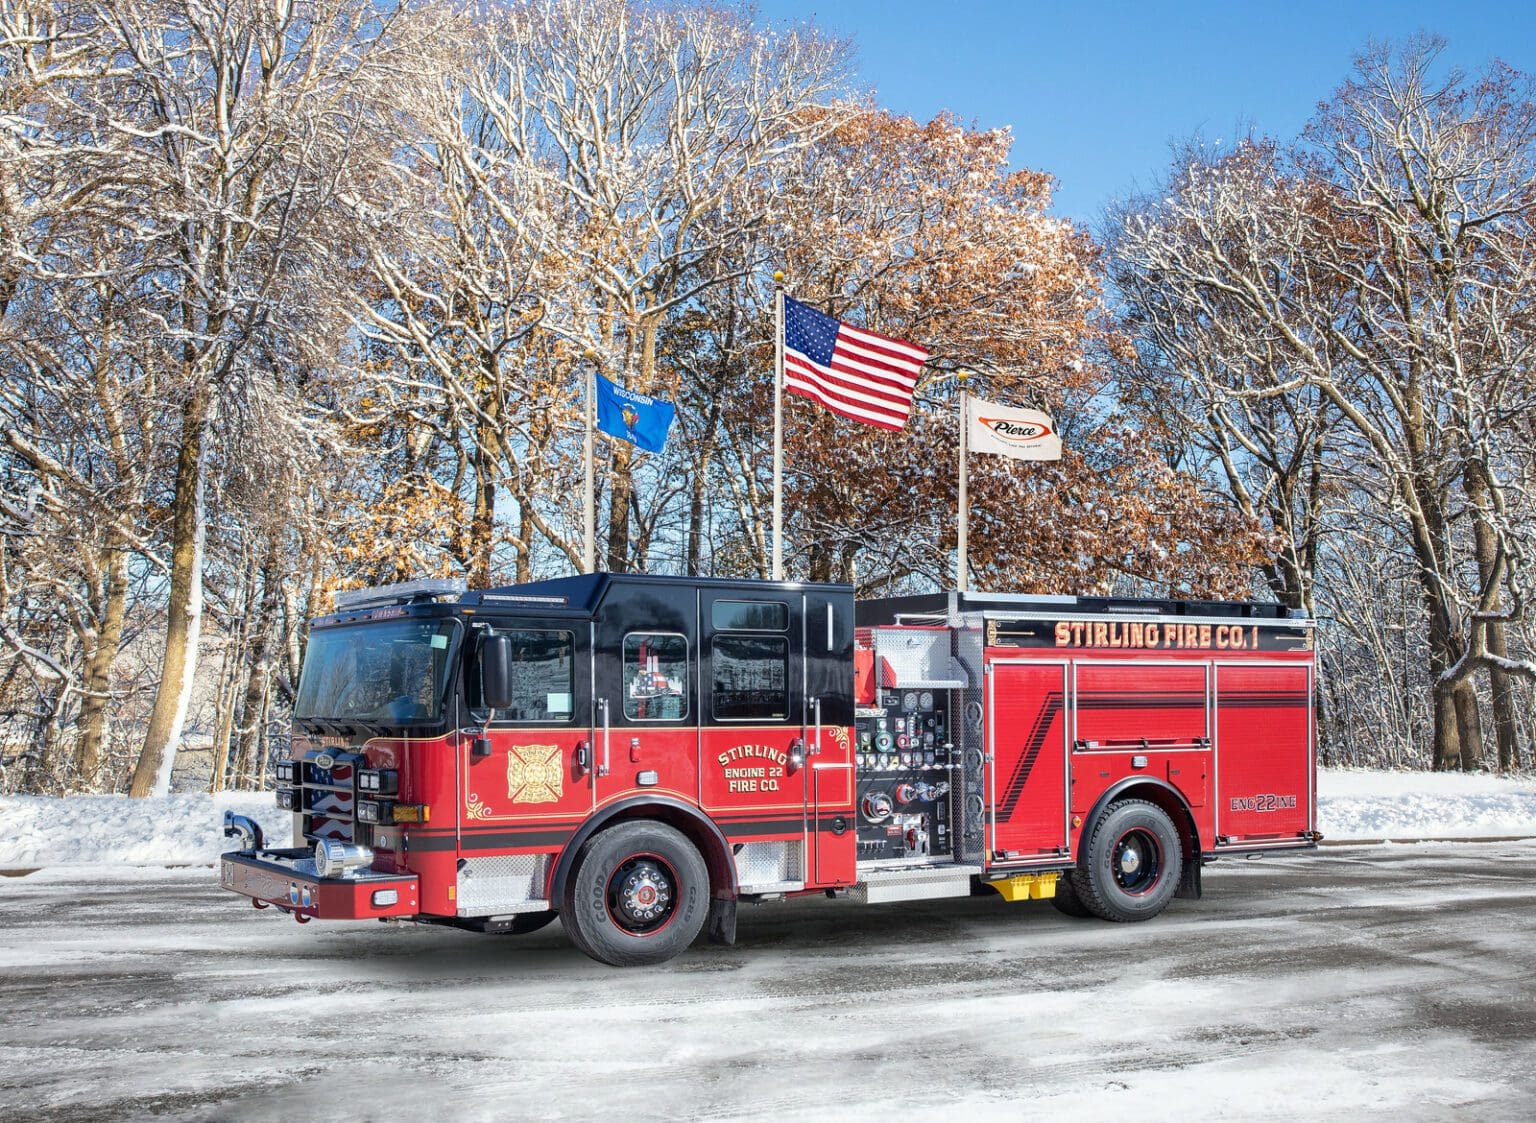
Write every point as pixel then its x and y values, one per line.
pixel 383 812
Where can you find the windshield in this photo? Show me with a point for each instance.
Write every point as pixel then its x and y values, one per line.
pixel 381 672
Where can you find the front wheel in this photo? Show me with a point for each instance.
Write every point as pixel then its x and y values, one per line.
pixel 1131 864
pixel 639 894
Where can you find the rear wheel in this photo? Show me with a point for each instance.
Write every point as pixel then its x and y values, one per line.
pixel 1131 864
pixel 1066 899
pixel 639 894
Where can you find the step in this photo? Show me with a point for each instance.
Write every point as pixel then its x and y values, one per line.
pixel 916 883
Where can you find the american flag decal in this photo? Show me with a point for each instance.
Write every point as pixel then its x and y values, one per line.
pixel 859 374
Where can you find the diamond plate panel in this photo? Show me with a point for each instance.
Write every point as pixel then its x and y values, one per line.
pixel 910 657
pixel 505 883
pixel 770 863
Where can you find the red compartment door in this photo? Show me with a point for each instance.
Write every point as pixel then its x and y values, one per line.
pixel 1263 752
pixel 1027 779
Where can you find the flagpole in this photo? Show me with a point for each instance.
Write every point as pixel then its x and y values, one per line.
pixel 588 498
pixel 962 564
pixel 778 427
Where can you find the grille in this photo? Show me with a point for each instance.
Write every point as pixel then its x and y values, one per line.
pixel 327 797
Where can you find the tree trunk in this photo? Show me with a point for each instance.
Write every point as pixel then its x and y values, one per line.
pixel 224 717
pixel 258 681
pixel 1469 726
pixel 1447 731
pixel 1486 547
pixel 89 747
pixel 184 613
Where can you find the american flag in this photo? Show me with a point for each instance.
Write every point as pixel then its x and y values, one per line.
pixel 857 373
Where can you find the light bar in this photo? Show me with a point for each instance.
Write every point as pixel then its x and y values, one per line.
pixel 433 587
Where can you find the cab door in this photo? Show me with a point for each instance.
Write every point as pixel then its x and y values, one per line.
pixel 645 708
pixel 525 769
pixel 755 747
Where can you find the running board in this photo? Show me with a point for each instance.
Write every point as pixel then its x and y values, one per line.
pixel 921 884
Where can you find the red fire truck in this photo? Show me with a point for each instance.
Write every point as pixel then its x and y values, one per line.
pixel 638 754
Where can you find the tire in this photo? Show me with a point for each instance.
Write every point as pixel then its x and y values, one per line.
pixel 1131 865
pixel 639 895
pixel 1066 899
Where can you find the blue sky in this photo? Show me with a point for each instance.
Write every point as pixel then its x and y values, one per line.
pixel 1096 93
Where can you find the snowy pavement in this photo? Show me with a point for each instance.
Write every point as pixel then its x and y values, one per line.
pixel 1360 982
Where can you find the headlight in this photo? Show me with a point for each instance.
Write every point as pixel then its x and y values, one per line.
pixel 385 781
pixel 285 771
pixel 369 811
pixel 287 799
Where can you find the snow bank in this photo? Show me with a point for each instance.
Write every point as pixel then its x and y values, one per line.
pixel 172 830
pixel 1366 804
pixel 188 829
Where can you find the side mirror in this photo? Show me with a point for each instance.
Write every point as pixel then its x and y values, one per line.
pixel 496 671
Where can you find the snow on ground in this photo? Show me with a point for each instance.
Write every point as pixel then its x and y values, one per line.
pixel 1356 803
pixel 187 829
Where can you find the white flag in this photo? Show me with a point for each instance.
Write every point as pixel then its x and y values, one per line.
pixel 1024 434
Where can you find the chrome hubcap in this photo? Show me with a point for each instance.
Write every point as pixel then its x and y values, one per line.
pixel 1137 862
pixel 640 895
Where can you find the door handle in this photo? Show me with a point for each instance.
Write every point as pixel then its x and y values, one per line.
pixel 816 740
pixel 602 769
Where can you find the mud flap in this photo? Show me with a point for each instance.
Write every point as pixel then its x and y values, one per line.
pixel 720 927
pixel 1189 880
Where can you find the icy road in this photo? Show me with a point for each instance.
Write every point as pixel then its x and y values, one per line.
pixel 1370 982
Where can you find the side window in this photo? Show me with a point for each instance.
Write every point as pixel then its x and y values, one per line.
pixel 751 678
pixel 655 676
pixel 543 678
pixel 749 616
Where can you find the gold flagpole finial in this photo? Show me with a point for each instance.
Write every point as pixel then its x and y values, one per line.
pixel 963 375
pixel 778 276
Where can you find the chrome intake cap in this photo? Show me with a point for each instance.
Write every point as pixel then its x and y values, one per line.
pixel 339 859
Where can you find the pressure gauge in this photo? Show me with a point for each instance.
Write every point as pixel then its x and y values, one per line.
pixel 909 701
pixel 926 701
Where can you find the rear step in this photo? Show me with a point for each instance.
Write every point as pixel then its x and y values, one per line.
pixel 919 884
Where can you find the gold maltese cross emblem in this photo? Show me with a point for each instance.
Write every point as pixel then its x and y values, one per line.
pixel 535 774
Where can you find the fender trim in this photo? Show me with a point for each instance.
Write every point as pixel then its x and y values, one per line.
pixel 720 862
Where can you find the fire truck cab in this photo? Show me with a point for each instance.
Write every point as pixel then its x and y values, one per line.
pixel 638 754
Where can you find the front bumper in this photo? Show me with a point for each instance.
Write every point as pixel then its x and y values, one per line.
pixel 287 879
